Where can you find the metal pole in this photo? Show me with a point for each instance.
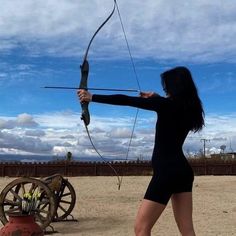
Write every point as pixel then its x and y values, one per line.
pixel 204 146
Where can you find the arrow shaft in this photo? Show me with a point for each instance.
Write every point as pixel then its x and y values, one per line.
pixel 95 89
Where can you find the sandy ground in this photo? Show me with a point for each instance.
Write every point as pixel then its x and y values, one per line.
pixel 102 210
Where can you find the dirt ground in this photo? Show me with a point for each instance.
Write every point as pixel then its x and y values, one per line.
pixel 103 210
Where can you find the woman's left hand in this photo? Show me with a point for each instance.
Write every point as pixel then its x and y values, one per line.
pixel 84 95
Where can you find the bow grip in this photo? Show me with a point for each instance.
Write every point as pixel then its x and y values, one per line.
pixel 85 116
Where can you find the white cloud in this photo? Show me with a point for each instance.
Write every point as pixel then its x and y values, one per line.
pixel 22 120
pixel 59 120
pixel 219 130
pixel 58 133
pixel 25 120
pixel 35 133
pixel 200 31
pixel 120 133
pixel 24 144
pixel 69 136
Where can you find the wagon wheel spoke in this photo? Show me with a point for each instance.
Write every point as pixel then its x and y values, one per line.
pixel 42 211
pixel 66 194
pixel 8 202
pixel 32 188
pixel 16 195
pixel 55 216
pixel 23 189
pixel 42 206
pixel 66 202
pixel 63 209
pixel 44 202
pixel 12 210
pixel 40 218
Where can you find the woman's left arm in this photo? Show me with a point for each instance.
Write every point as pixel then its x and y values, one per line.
pixel 147 100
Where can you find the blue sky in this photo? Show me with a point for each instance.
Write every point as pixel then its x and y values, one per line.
pixel 43 42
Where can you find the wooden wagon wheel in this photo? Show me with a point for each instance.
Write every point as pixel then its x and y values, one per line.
pixel 12 195
pixel 66 199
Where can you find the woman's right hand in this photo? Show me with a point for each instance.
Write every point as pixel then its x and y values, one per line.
pixel 147 94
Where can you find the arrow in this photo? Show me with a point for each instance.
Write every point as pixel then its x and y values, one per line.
pixel 95 89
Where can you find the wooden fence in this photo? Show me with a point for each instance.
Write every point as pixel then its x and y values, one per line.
pixel 200 167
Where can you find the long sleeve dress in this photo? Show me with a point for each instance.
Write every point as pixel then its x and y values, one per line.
pixel 171 171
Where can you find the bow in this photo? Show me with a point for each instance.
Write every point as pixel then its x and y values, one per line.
pixel 85 116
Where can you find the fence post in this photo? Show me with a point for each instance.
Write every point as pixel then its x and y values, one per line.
pixel 95 169
pixel 205 167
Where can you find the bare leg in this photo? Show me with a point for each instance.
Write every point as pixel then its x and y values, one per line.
pixel 148 214
pixel 182 207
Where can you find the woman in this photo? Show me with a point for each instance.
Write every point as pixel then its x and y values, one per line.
pixel 178 113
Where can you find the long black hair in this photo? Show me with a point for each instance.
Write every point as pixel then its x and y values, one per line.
pixel 179 85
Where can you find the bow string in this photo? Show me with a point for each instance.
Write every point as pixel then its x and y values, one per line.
pixel 137 80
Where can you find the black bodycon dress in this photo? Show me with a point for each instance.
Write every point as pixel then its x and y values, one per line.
pixel 171 171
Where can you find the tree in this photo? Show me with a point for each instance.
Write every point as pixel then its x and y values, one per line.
pixel 222 148
pixel 69 156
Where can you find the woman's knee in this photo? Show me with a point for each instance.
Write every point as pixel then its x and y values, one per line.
pixel 147 216
pixel 186 229
pixel 188 233
pixel 142 229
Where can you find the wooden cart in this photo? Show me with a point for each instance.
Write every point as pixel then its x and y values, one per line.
pixel 57 198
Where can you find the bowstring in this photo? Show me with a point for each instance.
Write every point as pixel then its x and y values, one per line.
pixel 137 80
pixel 128 47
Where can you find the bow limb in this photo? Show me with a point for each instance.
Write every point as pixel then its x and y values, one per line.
pixel 85 116
pixel 99 28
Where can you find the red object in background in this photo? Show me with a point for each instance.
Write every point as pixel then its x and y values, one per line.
pixel 21 225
